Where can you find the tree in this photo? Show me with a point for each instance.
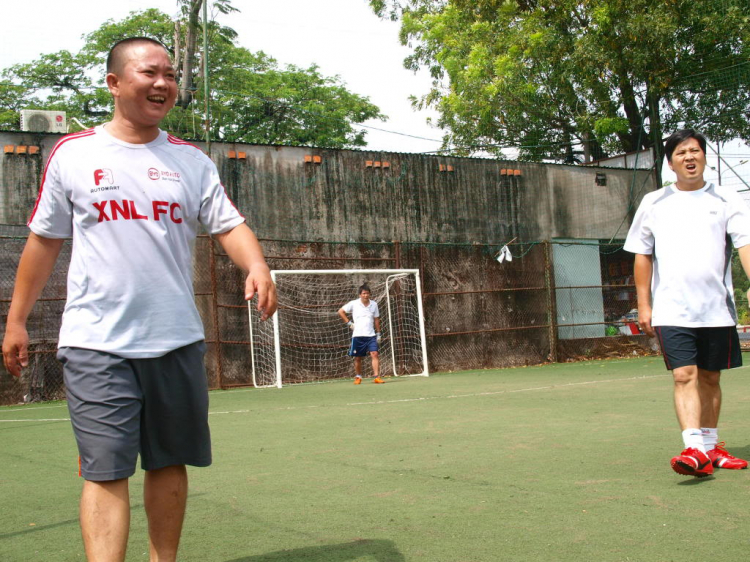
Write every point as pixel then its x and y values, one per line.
pixel 254 100
pixel 549 75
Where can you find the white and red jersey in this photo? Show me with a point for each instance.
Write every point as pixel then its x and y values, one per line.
pixel 133 211
pixel 363 317
pixel 690 235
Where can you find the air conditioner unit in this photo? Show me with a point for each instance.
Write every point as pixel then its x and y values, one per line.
pixel 40 121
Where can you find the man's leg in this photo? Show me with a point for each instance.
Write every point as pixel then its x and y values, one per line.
pixel 375 364
pixel 693 460
pixel 165 496
pixel 358 366
pixel 687 397
pixel 105 520
pixel 710 393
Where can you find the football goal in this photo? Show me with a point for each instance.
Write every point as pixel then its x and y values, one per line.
pixel 306 341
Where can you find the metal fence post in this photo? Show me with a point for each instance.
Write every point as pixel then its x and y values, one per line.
pixel 549 277
pixel 215 313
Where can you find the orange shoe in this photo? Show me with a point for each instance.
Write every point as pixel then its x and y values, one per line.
pixel 358 380
pixel 378 381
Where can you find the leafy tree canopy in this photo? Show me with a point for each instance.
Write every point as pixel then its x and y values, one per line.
pixel 612 76
pixel 253 99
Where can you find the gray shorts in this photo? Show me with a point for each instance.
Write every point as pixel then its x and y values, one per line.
pixel 121 407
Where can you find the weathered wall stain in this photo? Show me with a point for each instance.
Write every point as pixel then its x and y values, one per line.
pixel 342 199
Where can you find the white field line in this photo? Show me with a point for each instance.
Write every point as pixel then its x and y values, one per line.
pixel 378 402
pixel 37 420
pixel 27 409
pixel 471 395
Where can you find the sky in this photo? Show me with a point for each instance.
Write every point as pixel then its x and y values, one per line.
pixel 343 37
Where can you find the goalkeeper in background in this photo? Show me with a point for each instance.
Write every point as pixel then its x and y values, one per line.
pixel 365 326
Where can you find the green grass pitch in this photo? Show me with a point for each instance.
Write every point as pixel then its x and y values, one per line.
pixel 565 462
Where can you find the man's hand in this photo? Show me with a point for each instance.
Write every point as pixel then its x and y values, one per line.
pixel 16 349
pixel 378 337
pixel 259 282
pixel 644 320
pixel 351 325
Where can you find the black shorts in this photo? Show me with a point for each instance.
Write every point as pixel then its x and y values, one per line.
pixel 156 407
pixel 711 349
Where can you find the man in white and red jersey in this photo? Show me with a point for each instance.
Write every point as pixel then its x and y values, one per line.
pixel 682 237
pixel 132 198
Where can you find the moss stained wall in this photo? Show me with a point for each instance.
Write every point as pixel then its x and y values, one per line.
pixel 417 198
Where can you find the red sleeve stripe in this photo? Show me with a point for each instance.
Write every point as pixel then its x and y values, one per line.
pixel 74 136
pixel 230 201
pixel 174 140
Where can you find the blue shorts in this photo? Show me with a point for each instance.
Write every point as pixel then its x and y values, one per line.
pixel 361 346
pixel 710 349
pixel 121 408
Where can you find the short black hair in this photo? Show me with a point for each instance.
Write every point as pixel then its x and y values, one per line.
pixel 114 58
pixel 364 287
pixel 681 136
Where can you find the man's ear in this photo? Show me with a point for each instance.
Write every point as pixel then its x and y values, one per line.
pixel 113 83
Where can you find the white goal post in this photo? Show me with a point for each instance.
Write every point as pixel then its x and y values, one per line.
pixel 306 340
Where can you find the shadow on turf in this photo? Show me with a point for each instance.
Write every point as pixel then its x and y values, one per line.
pixel 379 550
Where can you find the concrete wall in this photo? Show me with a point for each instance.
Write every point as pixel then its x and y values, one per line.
pixel 417 198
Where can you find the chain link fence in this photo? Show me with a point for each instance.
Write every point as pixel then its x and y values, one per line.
pixel 554 301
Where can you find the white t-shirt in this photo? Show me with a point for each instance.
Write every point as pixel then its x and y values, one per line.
pixel 690 234
pixel 363 317
pixel 133 212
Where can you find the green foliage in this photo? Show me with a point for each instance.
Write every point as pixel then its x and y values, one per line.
pixel 610 76
pixel 253 99
pixel 610 126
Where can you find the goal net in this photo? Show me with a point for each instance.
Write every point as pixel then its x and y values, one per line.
pixel 307 341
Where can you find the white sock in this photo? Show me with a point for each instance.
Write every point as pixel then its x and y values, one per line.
pixel 693 437
pixel 357 376
pixel 710 437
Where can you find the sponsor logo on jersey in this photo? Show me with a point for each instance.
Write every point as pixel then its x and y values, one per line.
pixel 103 176
pixel 169 175
pixel 104 180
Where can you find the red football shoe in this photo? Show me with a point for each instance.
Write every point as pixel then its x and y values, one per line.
pixel 721 458
pixel 692 462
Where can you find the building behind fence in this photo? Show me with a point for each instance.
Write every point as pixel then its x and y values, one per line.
pixel 565 295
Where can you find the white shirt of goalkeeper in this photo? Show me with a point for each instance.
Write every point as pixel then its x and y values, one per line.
pixel 363 317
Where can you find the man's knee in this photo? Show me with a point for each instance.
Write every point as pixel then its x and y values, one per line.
pixel 685 375
pixel 709 378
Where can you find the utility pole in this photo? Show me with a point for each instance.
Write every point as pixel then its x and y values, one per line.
pixel 206 88
pixel 718 153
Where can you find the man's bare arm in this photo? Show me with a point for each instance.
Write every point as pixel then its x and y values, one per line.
pixel 36 265
pixel 643 270
pixel 244 250
pixel 744 253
